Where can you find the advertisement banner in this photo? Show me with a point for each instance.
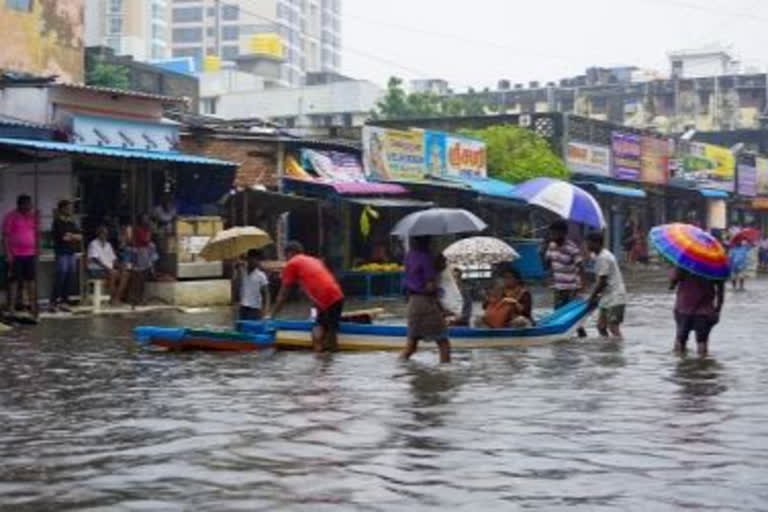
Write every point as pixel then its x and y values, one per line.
pixel 464 158
pixel 333 166
pixel 655 157
pixel 747 177
pixel 414 155
pixel 709 166
pixel 589 159
pixel 626 156
pixel 762 176
pixel 394 155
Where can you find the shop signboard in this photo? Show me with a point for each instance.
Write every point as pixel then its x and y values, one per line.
pixel 393 155
pixel 709 166
pixel 589 159
pixel 747 180
pixel 655 157
pixel 464 158
pixel 762 176
pixel 413 155
pixel 626 156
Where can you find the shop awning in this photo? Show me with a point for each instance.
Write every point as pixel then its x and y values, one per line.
pixel 368 188
pixel 273 202
pixel 64 147
pixel 617 190
pixel 493 188
pixel 711 193
pixel 382 202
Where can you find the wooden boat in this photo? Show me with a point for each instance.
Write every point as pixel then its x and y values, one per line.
pixel 182 338
pixel 560 325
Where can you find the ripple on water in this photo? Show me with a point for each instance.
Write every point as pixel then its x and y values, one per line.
pixel 90 423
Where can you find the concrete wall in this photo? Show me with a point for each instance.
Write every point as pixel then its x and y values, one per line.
pixel 330 99
pixel 46 40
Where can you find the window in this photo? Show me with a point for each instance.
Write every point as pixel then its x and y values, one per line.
pixel 115 6
pixel 196 52
pixel 209 106
pixel 158 51
pixel 115 25
pixel 230 52
pixel 187 14
pixel 158 12
pixel 187 35
pixel 210 32
pixel 158 32
pixel 211 11
pixel 230 12
pixel 230 33
pixel 19 5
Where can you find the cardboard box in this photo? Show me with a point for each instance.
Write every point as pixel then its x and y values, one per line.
pixel 184 227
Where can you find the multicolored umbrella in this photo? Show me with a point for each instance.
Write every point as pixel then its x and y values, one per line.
pixel 479 250
pixel 565 199
pixel 692 249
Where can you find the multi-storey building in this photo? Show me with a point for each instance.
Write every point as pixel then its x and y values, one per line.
pixel 139 28
pixel 308 31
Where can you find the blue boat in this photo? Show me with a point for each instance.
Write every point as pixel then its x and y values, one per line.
pixel 183 338
pixel 560 325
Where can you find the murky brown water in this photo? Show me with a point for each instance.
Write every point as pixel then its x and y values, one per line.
pixel 88 422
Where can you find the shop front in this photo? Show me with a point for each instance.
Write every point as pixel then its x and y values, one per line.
pixel 117 187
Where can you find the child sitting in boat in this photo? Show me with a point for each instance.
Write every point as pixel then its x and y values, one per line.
pixel 501 312
pixel 516 294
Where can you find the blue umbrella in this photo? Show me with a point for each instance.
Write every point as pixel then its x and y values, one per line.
pixel 568 201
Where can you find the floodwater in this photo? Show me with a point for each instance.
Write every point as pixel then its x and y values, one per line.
pixel 87 422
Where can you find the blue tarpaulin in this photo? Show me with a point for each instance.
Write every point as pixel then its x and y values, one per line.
pixel 65 147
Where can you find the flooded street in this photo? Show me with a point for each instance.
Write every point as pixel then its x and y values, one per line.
pixel 90 423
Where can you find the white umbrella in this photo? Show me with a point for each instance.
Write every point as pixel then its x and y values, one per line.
pixel 479 251
pixel 439 221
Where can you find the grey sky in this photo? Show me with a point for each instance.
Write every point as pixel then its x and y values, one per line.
pixel 477 42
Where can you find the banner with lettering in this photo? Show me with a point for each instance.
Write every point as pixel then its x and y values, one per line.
pixel 655 154
pixel 589 159
pixel 394 155
pixel 627 164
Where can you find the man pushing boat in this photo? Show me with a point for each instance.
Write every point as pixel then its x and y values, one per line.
pixel 321 288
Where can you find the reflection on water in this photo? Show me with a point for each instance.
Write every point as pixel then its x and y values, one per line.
pixel 90 422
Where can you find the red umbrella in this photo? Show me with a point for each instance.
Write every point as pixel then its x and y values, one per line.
pixel 751 235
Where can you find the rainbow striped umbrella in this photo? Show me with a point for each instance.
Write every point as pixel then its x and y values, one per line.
pixel 692 249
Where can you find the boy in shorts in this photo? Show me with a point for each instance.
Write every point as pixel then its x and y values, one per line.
pixel 609 293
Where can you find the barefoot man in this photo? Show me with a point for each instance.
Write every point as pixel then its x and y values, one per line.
pixel 321 288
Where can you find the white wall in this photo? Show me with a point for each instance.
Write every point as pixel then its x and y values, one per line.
pixel 330 99
pixel 28 103
pixel 228 81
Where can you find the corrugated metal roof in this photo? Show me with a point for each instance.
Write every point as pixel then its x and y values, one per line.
pixel 382 202
pixel 15 121
pixel 122 92
pixel 63 147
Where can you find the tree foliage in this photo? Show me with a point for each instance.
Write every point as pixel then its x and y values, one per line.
pixel 398 104
pixel 517 154
pixel 103 74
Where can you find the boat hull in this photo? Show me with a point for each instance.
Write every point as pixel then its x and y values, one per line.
pixel 561 325
pixel 183 339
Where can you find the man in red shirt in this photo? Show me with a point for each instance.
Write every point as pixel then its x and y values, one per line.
pixel 321 288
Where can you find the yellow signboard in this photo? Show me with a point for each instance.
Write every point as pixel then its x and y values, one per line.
pixel 725 162
pixel 267 44
pixel 211 63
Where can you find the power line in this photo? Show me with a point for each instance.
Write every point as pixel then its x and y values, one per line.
pixel 367 55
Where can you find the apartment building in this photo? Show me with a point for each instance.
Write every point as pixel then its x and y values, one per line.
pixel 139 28
pixel 308 31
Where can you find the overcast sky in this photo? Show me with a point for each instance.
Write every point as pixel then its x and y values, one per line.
pixel 477 42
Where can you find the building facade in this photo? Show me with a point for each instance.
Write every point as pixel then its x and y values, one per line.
pixel 138 28
pixel 43 37
pixel 304 36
